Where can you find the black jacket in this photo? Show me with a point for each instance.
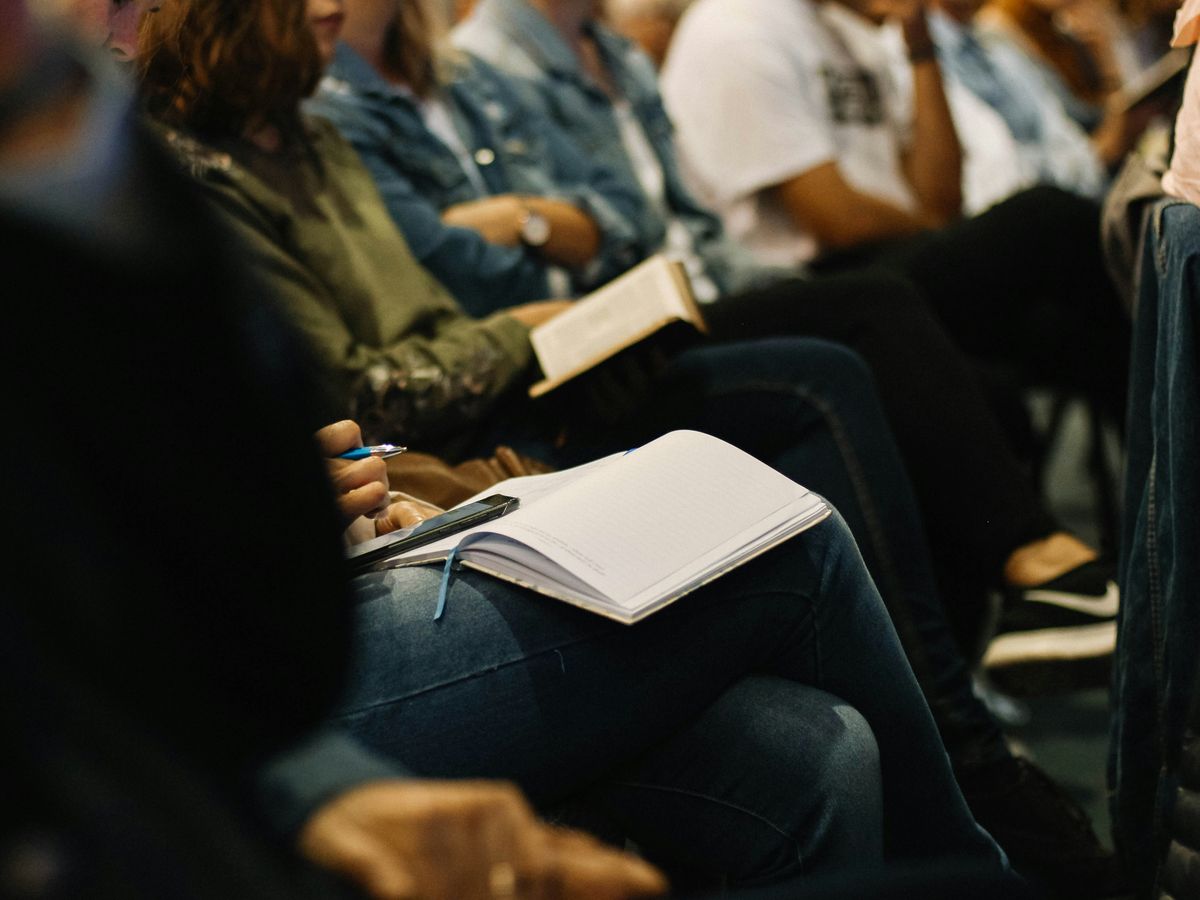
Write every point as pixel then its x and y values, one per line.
pixel 174 607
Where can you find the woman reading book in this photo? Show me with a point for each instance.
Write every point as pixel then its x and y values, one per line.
pixel 582 713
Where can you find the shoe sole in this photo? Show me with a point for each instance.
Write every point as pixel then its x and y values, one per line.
pixel 1102 607
pixel 1048 644
pixel 1052 660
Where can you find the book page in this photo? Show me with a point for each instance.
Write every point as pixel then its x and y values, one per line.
pixel 626 534
pixel 528 488
pixel 656 512
pixel 610 318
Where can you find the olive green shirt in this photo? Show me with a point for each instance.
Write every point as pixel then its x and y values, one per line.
pixel 401 355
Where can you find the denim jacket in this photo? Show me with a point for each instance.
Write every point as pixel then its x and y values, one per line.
pixel 515 152
pixel 1155 665
pixel 518 39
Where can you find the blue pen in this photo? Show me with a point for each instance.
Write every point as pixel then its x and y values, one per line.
pixel 383 451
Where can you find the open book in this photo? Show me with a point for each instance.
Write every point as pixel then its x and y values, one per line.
pixel 626 535
pixel 625 311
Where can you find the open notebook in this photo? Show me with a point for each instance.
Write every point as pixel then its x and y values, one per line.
pixel 628 534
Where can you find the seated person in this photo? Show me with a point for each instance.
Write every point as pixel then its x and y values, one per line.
pixel 1000 73
pixel 833 169
pixel 386 322
pixel 525 214
pixel 1162 620
pixel 171 640
pixel 428 711
pixel 1049 147
pixel 225 713
pixel 1081 73
pixel 425 183
pixel 1156 664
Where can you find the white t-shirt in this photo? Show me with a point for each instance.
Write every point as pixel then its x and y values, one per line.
pixel 678 243
pixel 763 90
pixel 994 165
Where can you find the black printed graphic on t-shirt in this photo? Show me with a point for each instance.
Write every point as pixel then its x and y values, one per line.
pixel 854 97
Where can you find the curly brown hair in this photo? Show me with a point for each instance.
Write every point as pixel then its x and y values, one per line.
pixel 220 67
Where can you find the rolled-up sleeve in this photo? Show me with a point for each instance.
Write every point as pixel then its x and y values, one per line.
pixel 613 205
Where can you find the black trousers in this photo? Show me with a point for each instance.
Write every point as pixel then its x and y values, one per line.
pixel 977 501
pixel 1022 285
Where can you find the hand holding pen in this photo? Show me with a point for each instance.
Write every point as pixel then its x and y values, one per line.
pixel 359 474
pixel 381 451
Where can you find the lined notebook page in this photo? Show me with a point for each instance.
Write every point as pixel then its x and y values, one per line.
pixel 654 512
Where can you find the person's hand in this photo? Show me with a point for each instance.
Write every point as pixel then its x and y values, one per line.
pixel 574 236
pixel 497 218
pixel 467 840
pixel 361 485
pixel 405 513
pixel 533 314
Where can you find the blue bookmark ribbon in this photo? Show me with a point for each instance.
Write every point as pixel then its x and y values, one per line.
pixel 450 567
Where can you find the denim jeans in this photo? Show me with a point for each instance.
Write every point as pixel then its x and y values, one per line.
pixel 1159 622
pixel 809 409
pixel 744 731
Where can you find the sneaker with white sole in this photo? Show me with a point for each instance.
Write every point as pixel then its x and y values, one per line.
pixel 1058 635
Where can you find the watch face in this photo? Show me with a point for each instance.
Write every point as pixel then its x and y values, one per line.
pixel 535 229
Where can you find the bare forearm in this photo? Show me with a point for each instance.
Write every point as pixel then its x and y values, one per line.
pixel 874 220
pixel 573 236
pixel 933 164
pixel 822 203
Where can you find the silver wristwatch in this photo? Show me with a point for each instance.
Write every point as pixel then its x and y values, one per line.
pixel 533 227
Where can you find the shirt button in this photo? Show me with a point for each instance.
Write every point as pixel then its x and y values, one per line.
pixel 484 156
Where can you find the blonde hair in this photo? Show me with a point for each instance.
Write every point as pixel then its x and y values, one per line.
pixel 417 47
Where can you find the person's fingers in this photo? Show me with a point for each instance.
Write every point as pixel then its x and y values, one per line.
pixel 455 856
pixel 352 474
pixel 540 866
pixel 585 867
pixel 404 514
pixel 501 827
pixel 338 437
pixel 361 486
pixel 369 500
pixel 341 846
pixel 488 833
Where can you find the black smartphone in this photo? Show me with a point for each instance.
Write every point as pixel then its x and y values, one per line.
pixel 363 555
